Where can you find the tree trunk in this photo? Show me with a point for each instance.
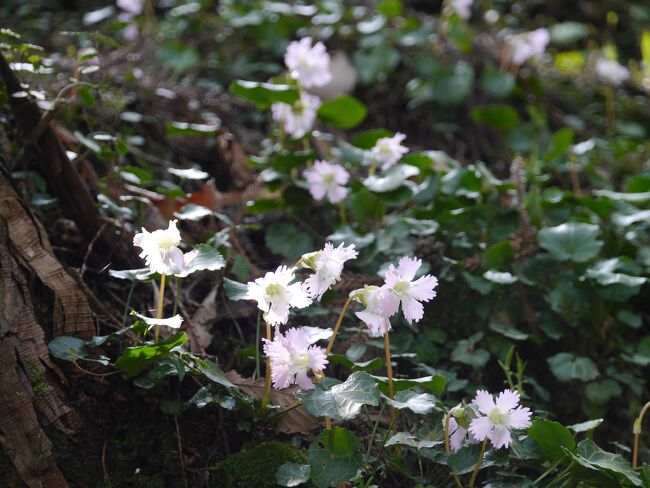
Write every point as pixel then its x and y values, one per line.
pixel 39 300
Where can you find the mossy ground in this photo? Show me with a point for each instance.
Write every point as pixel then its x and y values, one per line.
pixel 255 468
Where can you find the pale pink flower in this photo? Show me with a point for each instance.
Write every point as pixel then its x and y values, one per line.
pixel 528 45
pixel 373 316
pixel 463 8
pixel 403 289
pixel 387 151
pixel 308 64
pixel 498 417
pixel 133 7
pixel 275 294
pixel 160 249
pixel 297 119
pixel 611 71
pixel 457 434
pixel 327 266
pixel 327 180
pixel 292 357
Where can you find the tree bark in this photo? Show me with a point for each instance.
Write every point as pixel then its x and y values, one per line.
pixel 39 300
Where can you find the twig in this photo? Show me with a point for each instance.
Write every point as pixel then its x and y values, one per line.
pixel 180 450
pixel 89 250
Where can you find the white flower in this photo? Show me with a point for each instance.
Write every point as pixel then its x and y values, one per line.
pixel 173 322
pixel 327 179
pixel 375 319
pixel 499 417
pixel 160 249
pixel 402 288
pixel 388 150
pixel 308 64
pixel 327 266
pixel 275 294
pixel 528 45
pixel 299 118
pixel 292 356
pixel 611 71
pixel 463 8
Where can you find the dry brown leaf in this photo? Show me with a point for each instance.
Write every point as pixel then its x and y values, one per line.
pixel 296 420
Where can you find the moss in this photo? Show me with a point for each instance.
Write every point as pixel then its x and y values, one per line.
pixel 255 468
pixel 36 379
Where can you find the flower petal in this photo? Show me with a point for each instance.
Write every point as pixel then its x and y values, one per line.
pixel 507 400
pixel 480 428
pixel 520 418
pixel 484 401
pixel 500 437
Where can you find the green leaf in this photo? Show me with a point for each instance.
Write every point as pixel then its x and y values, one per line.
pixel 367 139
pixel 193 212
pixel 409 440
pixel 235 290
pixel 585 426
pixel 264 94
pixel 288 241
pixel 292 474
pixel 178 56
pixel 499 117
pixel 639 197
pixel 67 348
pixel 189 173
pixel 135 359
pixel 202 258
pixel 421 403
pixel 573 241
pixel 497 83
pixel 551 437
pixel 566 367
pixel 464 460
pixel 604 274
pixel 508 331
pixel 375 363
pixel 344 112
pixel 500 277
pixel 342 401
pixel 434 384
pixel 592 457
pixel 334 457
pixel 175 129
pixel 392 179
pixel 212 371
pixel 600 392
pixel 565 33
pixel 365 206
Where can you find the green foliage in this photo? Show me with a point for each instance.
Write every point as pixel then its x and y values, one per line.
pixel 552 438
pixel 345 111
pixel 263 95
pixel 256 468
pixel 334 457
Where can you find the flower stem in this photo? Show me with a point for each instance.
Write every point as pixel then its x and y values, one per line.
pixel 161 301
pixel 637 432
pixel 267 377
pixel 448 449
pixel 320 375
pixel 373 168
pixel 128 303
pixel 337 326
pixel 343 214
pixel 391 388
pixel 478 463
